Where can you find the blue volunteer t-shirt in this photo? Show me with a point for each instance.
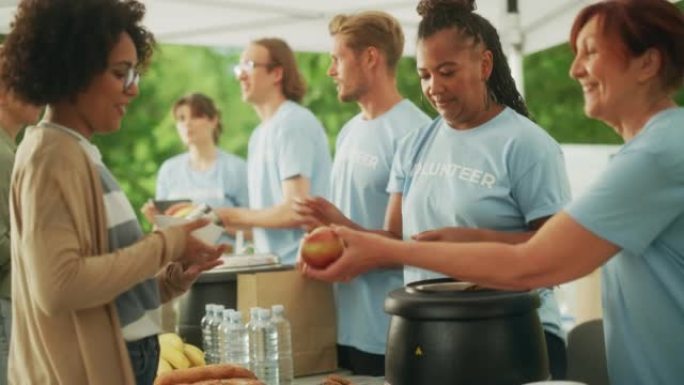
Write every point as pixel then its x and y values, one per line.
pixel 292 143
pixel 222 185
pixel 501 176
pixel 363 160
pixel 638 205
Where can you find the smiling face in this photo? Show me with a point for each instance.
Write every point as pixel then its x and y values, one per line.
pixel 102 105
pixel 347 71
pixel 194 130
pixel 607 77
pixel 453 71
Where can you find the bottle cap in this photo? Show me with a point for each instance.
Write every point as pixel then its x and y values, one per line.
pixel 236 316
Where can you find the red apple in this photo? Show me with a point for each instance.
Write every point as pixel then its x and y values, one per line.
pixel 321 247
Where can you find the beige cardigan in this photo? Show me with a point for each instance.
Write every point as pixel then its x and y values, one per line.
pixel 65 328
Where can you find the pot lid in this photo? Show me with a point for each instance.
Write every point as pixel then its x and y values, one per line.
pixel 446 299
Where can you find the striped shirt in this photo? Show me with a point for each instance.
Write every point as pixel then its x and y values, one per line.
pixel 139 306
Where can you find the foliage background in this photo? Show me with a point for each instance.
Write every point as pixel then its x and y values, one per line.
pixel 148 135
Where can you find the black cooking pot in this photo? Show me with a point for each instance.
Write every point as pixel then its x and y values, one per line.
pixel 454 333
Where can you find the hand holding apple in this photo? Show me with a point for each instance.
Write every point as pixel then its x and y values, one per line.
pixel 321 247
pixel 362 252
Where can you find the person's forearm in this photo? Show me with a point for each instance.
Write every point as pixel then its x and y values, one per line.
pixel 246 231
pixel 560 251
pixel 511 238
pixel 494 265
pixel 476 236
pixel 500 265
pixel 279 216
pixel 388 234
pixel 72 281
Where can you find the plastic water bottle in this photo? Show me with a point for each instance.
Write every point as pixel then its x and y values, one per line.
pixel 237 347
pixel 206 329
pixel 252 330
pixel 223 335
pixel 284 343
pixel 212 355
pixel 253 315
pixel 263 348
pixel 282 326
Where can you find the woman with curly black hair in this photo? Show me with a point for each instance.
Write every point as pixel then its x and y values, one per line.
pixel 86 284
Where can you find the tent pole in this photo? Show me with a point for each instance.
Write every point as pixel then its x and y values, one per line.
pixel 514 41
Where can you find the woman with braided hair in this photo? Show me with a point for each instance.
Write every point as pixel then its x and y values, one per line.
pixel 482 170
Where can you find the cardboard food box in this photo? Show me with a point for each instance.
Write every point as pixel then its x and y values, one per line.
pixel 310 308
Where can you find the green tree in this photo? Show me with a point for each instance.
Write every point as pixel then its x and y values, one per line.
pixel 148 135
pixel 555 100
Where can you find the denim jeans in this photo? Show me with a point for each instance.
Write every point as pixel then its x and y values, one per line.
pixel 5 332
pixel 144 355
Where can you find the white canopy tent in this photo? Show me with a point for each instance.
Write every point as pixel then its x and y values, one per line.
pixel 303 23
pixel 537 24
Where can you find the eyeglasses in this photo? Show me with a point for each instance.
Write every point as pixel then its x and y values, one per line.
pixel 131 78
pixel 248 66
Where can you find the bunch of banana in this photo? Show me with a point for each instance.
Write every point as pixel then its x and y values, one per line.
pixel 175 354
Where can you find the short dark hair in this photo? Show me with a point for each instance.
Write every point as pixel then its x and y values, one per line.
pixel 201 106
pixel 439 15
pixel 635 26
pixel 57 47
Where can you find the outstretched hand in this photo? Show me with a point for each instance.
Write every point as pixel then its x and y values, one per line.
pixel 198 255
pixel 306 216
pixel 363 251
pixel 194 269
pixel 318 211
